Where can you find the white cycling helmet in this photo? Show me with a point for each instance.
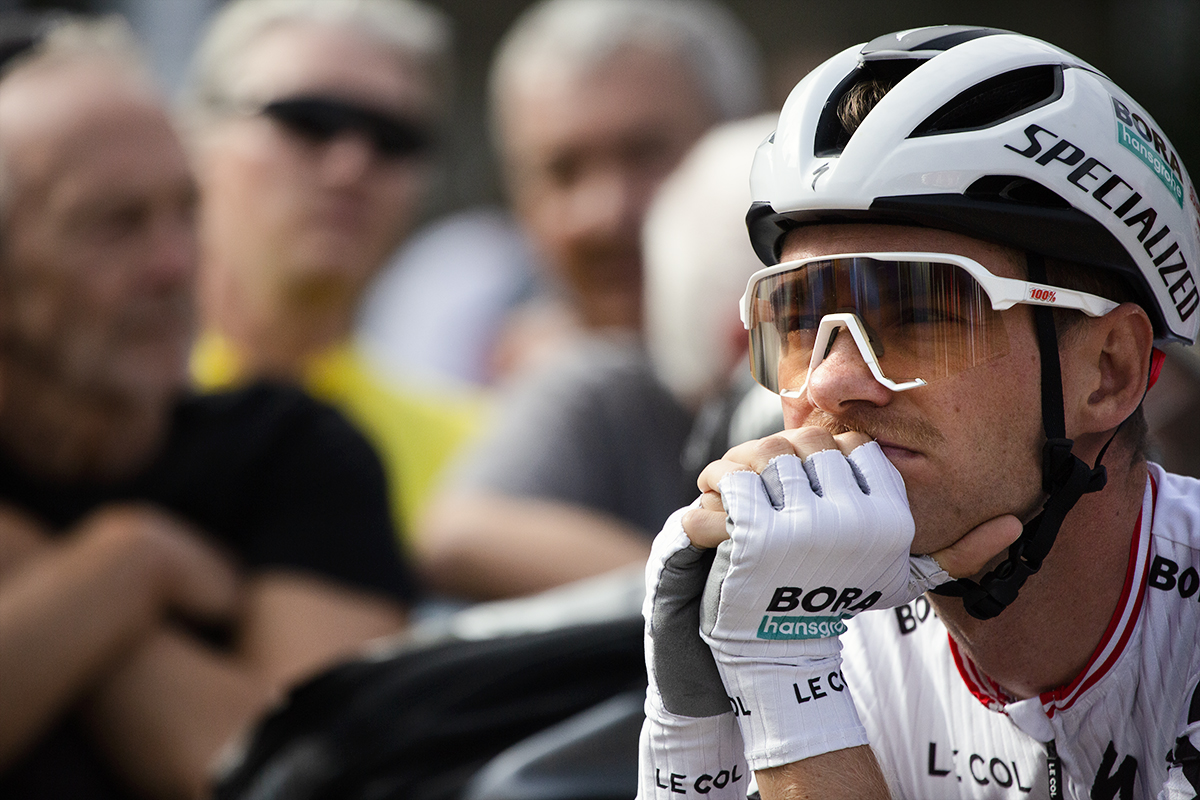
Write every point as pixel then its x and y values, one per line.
pixel 999 136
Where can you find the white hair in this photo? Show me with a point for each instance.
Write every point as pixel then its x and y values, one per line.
pixel 698 258
pixel 708 40
pixel 60 39
pixel 417 31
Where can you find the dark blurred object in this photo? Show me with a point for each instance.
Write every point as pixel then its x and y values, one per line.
pixel 1173 412
pixel 591 756
pixel 420 722
pixel 75 6
pixel 20 32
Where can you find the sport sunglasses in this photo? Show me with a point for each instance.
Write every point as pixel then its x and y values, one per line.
pixel 914 317
pixel 322 119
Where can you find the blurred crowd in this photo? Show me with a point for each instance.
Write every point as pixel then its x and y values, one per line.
pixel 253 417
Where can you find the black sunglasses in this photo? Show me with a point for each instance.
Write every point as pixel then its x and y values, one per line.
pixel 321 119
pixel 23 31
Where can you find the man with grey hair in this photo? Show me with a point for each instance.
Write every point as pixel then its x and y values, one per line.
pixel 313 124
pixel 169 564
pixel 594 102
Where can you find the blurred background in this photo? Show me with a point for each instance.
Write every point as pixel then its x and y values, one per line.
pixel 1151 48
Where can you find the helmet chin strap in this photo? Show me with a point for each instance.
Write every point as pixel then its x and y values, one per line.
pixel 1065 479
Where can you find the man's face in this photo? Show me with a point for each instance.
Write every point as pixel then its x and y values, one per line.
pixel 585 152
pixel 99 250
pixel 298 218
pixel 968 446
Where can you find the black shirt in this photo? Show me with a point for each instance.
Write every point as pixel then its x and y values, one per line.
pixel 275 478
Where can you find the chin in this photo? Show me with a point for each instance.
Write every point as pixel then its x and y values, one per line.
pixel 930 539
pixel 937 523
pixel 335 269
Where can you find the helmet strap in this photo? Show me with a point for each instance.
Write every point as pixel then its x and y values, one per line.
pixel 1065 478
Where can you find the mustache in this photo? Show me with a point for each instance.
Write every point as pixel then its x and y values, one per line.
pixel 909 432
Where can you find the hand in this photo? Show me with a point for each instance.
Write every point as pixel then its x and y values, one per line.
pixel 185 573
pixel 706 524
pixel 823 533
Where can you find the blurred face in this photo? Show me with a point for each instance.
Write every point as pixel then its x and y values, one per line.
pixel 585 153
pixel 99 250
pixel 969 445
pixel 299 216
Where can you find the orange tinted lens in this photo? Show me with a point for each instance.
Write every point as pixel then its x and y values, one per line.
pixel 924 319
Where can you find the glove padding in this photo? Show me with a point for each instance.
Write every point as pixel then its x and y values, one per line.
pixel 812 543
pixel 690 742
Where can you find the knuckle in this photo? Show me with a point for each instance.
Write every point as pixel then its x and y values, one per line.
pixel 769 449
pixel 851 439
pixel 812 439
pixel 705 528
pixel 711 475
pixel 775 445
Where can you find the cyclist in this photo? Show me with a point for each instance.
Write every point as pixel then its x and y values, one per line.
pixel 976 243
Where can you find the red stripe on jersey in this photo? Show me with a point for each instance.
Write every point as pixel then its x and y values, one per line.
pixel 984 688
pixel 1124 618
pixel 1112 644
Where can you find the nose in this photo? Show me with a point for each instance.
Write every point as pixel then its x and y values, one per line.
pixel 843 378
pixel 602 206
pixel 346 159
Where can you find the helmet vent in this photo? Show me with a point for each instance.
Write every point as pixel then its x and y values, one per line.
pixel 1013 189
pixel 872 78
pixel 996 100
pixel 924 42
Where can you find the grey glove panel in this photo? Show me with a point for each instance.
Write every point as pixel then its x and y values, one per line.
pixel 714 585
pixel 683 665
pixel 774 485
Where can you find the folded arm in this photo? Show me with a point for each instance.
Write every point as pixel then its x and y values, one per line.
pixel 487 545
pixel 84 618
pixel 71 608
pixel 164 715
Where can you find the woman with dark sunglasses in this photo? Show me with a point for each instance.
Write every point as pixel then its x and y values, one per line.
pixel 313 124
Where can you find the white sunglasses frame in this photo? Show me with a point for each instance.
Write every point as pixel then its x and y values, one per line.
pixel 1004 293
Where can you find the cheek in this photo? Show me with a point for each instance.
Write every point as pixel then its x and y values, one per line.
pixel 543 210
pixel 69 322
pixel 397 200
pixel 989 464
pixel 245 187
pixel 795 412
pixel 44 313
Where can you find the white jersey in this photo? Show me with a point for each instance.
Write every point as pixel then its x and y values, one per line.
pixel 1127 727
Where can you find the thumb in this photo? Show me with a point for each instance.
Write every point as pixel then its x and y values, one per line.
pixel 971 553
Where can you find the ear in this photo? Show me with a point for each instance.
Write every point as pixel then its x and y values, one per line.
pixel 1109 360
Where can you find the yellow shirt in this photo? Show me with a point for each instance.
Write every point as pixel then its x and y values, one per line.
pixel 414 433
